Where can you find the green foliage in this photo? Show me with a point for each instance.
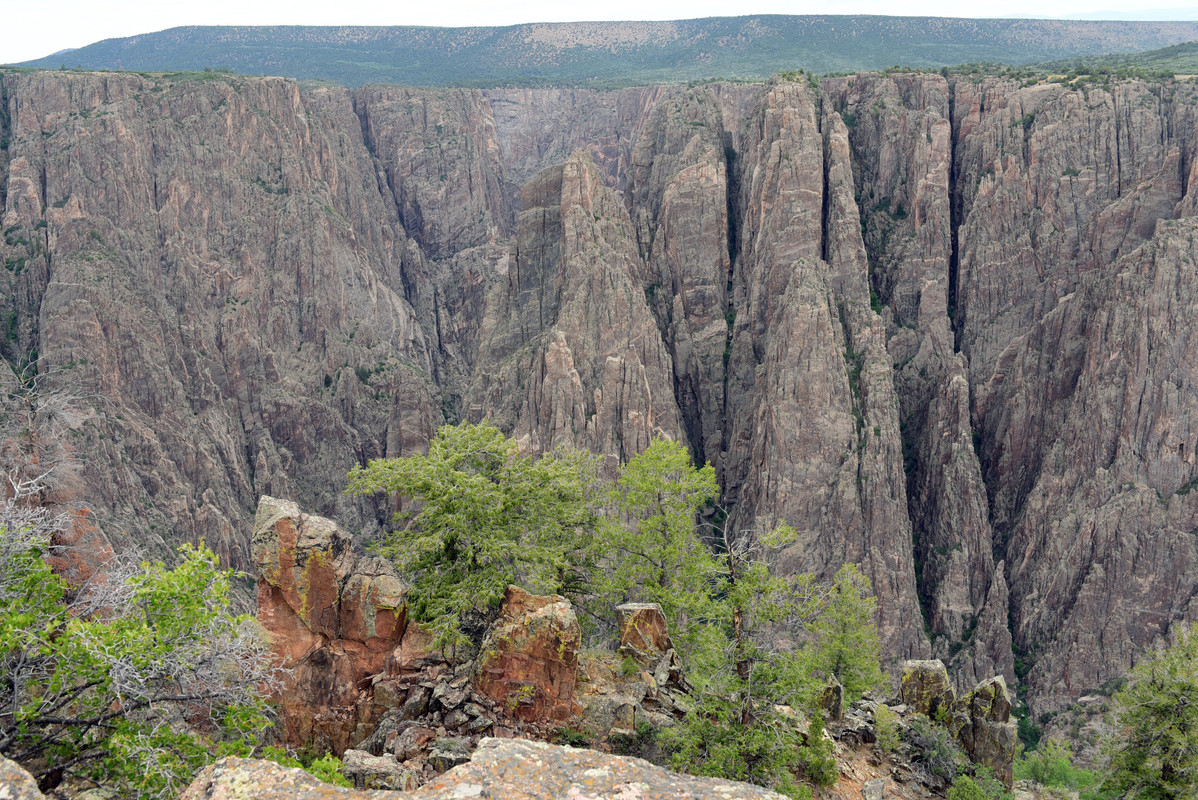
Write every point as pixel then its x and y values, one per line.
pixel 934 747
pixel 965 788
pixel 848 639
pixel 641 744
pixel 1050 764
pixel 488 517
pixel 712 741
pixel 135 681
pixel 629 668
pixel 656 557
pixel 572 737
pixel 485 517
pixel 327 767
pixel 736 729
pixel 819 764
pixel 1153 753
pixel 886 726
pixel 982 785
pixel 1029 733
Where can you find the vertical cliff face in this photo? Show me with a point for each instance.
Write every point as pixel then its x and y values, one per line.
pixel 573 355
pixel 214 261
pixel 995 246
pixel 811 407
pixel 678 189
pixel 903 151
pixel 941 327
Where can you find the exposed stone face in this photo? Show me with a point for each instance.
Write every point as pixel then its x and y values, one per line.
pixel 334 620
pixel 16 783
pixel 811 403
pixel 644 634
pixel 960 321
pixel 926 688
pixel 217 261
pixel 678 182
pixel 529 660
pixel 515 769
pixel 903 152
pixel 573 354
pixel 375 772
pixel 979 719
pixel 989 736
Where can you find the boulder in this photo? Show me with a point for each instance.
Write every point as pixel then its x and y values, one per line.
pixel 529 659
pixel 449 751
pixel 831 700
pixel 988 735
pixel 874 789
pixel 376 772
pixel 334 620
pixel 411 742
pixel 925 687
pixel 644 635
pixel 16 783
pixel 512 769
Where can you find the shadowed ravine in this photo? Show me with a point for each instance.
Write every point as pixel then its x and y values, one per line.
pixel 945 329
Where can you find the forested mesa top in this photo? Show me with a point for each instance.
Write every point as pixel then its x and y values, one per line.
pixel 617 53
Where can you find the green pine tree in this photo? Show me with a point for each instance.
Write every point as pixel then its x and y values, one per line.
pixel 847 638
pixel 478 516
pixel 1154 752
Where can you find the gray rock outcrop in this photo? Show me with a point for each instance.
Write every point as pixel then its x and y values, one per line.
pixel 514 769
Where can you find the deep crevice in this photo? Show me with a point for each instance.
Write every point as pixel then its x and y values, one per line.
pixel 5 134
pixel 955 203
pixel 732 192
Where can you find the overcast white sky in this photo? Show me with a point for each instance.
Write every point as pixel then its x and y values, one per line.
pixel 35 28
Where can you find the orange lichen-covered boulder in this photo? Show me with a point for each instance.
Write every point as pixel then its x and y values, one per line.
pixel 334 619
pixel 644 635
pixel 529 659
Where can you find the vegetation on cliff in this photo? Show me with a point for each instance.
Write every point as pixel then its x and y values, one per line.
pixel 477 515
pixel 133 680
pixel 624 53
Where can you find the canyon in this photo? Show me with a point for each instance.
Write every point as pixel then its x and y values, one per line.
pixel 943 326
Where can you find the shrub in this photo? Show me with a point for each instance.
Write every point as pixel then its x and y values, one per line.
pixel 1154 751
pixel 886 727
pixel 964 788
pixel 819 765
pixel 326 768
pixel 935 748
pixel 134 680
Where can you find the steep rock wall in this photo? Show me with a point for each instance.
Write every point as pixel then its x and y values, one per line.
pixel 939 326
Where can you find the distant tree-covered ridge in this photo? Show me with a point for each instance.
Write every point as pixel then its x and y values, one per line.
pixel 617 53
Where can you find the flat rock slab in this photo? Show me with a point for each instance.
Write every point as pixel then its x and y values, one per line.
pixel 16 783
pixel 502 769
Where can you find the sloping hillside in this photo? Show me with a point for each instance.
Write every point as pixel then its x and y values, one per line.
pixel 617 53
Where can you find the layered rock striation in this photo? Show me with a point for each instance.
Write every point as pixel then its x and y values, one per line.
pixel 940 326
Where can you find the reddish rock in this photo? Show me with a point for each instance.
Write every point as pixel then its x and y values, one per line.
pixel 79 549
pixel 644 635
pixel 334 620
pixel 415 651
pixel 529 660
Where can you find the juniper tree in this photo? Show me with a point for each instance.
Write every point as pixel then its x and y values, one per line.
pixel 1154 751
pixel 133 680
pixel 847 645
pixel 478 515
pixel 652 554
